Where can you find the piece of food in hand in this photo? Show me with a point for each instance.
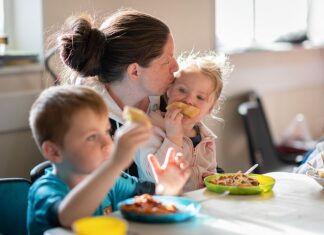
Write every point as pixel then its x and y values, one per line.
pixel 320 172
pixel 146 204
pixel 136 115
pixel 186 109
pixel 238 179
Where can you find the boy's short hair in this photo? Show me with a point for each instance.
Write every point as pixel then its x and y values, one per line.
pixel 51 114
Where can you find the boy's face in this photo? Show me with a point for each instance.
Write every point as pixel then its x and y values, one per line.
pixel 196 89
pixel 87 143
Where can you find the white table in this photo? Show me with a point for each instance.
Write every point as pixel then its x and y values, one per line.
pixel 295 206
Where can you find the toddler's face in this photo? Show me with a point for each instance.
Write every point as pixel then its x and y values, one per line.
pixel 193 88
pixel 87 143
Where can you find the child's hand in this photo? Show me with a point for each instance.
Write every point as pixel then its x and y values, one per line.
pixel 173 126
pixel 205 174
pixel 172 175
pixel 127 140
pixel 157 119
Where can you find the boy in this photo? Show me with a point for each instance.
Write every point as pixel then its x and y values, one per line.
pixel 71 128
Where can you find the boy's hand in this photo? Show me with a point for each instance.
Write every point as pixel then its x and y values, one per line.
pixel 127 140
pixel 172 175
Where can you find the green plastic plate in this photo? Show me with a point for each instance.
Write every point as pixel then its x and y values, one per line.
pixel 266 184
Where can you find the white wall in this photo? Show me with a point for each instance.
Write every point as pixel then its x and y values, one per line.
pixel 289 82
pixel 190 21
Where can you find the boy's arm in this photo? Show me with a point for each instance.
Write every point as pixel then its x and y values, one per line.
pixel 89 193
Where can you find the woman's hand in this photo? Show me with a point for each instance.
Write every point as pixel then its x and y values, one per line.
pixel 172 175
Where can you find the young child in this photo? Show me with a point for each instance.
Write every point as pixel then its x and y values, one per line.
pixel 71 128
pixel 198 83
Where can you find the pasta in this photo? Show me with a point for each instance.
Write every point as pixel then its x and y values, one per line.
pixel 238 179
pixel 146 204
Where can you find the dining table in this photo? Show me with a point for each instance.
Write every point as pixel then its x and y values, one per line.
pixel 295 205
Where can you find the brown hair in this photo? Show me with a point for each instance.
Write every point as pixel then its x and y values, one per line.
pixel 126 37
pixel 51 114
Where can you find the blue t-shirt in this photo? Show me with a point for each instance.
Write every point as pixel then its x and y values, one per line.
pixel 46 194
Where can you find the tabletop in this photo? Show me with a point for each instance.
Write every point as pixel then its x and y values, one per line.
pixel 294 206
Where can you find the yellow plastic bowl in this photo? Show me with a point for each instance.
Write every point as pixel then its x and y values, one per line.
pixel 100 225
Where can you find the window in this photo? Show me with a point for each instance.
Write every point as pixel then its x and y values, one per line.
pixel 21 22
pixel 250 23
pixel 1 18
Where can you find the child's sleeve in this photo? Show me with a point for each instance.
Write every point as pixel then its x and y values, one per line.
pixel 204 163
pixel 314 158
pixel 43 203
pixel 158 145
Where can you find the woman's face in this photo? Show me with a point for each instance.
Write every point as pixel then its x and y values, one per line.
pixel 159 75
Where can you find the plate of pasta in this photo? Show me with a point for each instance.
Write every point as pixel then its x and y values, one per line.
pixel 158 209
pixel 239 183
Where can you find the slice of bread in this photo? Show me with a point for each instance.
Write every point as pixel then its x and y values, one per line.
pixel 320 172
pixel 187 110
pixel 136 115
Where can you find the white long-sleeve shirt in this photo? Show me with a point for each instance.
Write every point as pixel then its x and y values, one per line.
pixel 315 159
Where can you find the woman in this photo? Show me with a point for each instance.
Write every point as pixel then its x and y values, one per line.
pixel 129 59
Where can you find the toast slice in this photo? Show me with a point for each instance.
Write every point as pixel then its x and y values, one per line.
pixel 187 110
pixel 136 115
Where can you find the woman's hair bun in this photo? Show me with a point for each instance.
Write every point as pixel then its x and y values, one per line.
pixel 81 46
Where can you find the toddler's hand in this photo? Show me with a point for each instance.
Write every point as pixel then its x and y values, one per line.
pixel 173 126
pixel 157 119
pixel 208 173
pixel 127 141
pixel 172 175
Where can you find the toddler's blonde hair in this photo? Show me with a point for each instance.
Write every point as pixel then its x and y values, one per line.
pixel 215 66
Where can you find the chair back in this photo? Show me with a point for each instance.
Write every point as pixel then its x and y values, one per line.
pixel 261 147
pixel 39 170
pixel 13 206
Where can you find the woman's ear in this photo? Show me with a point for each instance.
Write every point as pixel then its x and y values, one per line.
pixel 133 71
pixel 51 151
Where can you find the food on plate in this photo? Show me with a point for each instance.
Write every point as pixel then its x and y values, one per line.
pixel 237 179
pixel 186 109
pixel 146 204
pixel 136 115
